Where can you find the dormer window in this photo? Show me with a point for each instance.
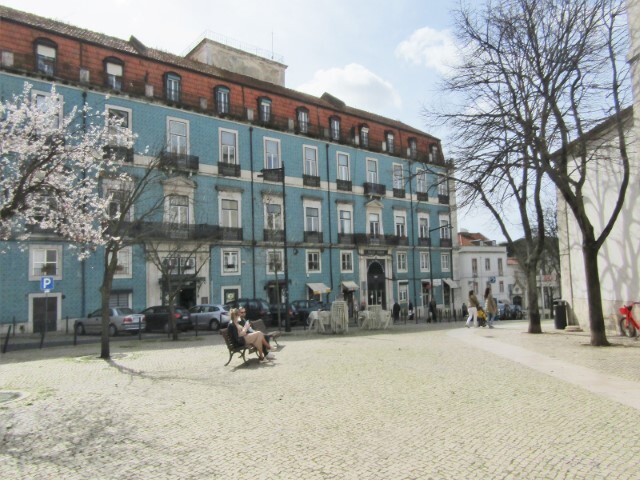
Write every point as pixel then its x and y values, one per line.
pixel 223 100
pixel 413 148
pixel 172 87
pixel 264 107
pixel 334 128
pixel 364 136
pixel 114 69
pixel 389 139
pixel 302 115
pixel 46 53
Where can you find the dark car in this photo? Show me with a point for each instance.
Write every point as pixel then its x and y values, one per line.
pixel 516 312
pixel 158 318
pixel 305 307
pixel 293 313
pixel 504 311
pixel 257 309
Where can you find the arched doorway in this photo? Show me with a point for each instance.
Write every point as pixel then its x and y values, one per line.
pixel 376 285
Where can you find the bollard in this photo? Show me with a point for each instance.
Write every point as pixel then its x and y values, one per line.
pixel 67 325
pixel 139 328
pixel 14 325
pixel 75 333
pixel 6 339
pixel 196 326
pixel 44 329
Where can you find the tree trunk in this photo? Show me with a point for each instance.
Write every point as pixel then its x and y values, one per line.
pixel 532 304
pixel 105 293
pixel 594 295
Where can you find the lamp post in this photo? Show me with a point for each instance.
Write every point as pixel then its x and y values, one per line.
pixel 281 173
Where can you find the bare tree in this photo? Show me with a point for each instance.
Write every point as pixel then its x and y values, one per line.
pixel 537 75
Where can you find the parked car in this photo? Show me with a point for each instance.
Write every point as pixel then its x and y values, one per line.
pixel 158 318
pixel 293 313
pixel 504 311
pixel 305 307
pixel 516 312
pixel 256 308
pixel 121 319
pixel 212 317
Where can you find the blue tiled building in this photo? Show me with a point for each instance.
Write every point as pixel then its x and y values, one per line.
pixel 263 177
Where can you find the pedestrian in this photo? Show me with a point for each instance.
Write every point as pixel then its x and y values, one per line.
pixel 465 312
pixel 241 336
pixel 433 310
pixel 410 310
pixel 490 306
pixel 473 309
pixel 396 312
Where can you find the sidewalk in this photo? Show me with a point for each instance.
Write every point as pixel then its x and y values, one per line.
pixel 416 401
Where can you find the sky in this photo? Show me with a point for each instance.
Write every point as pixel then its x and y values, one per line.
pixel 380 56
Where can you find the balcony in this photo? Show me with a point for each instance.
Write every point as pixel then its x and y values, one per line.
pixel 229 233
pixel 346 238
pixel 344 185
pixel 375 189
pixel 422 196
pixel 313 237
pixel 273 174
pixel 445 242
pixel 271 235
pixel 424 241
pixel 228 169
pixel 369 239
pixel 399 193
pixel 396 240
pixel 171 231
pixel 120 154
pixel 310 181
pixel 444 199
pixel 179 161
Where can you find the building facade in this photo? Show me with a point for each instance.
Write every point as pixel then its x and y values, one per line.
pixel 262 180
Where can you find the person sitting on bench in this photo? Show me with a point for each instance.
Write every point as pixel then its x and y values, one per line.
pixel 241 336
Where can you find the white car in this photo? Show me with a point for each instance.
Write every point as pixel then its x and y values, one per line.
pixel 121 319
pixel 212 316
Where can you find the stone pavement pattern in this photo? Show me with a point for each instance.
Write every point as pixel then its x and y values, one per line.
pixel 409 403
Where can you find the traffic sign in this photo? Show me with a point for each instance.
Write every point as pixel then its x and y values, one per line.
pixel 46 284
pixel 492 279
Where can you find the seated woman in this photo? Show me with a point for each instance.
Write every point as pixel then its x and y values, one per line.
pixel 241 336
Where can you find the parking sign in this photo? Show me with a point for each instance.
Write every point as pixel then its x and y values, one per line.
pixel 46 284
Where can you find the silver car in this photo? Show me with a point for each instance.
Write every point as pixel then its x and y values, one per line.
pixel 121 319
pixel 209 316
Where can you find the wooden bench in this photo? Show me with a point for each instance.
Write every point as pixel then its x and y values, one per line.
pixel 257 325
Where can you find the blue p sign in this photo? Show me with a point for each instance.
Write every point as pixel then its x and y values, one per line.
pixel 46 283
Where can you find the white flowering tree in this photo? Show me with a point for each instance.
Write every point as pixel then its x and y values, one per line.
pixel 51 165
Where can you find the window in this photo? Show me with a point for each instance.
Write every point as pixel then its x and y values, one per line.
pixel 117 201
pixel 271 153
pixel 172 87
pixel 403 292
pixel 230 262
pixel 222 96
pixel 442 186
pixel 500 271
pixel 123 269
pixel 229 213
pixel 346 261
pixel 334 128
pixel 372 170
pixel 179 209
pixel 228 146
pixel 433 151
pixel 45 261
pixel 423 227
pixel 113 70
pixel 264 109
pixel 119 120
pixel 421 181
pixel 400 221
pixel 343 166
pixel 46 104
pixel 445 262
pixel 345 221
pixel 390 144
pixel 425 262
pixel 374 224
pixel 310 161
pixel 312 219
pixel 401 260
pixel 413 148
pixel 364 136
pixel 274 261
pixel 46 53
pixel 273 216
pixel 302 115
pixel 487 264
pixel 445 231
pixel 501 286
pixel 178 136
pixel 474 267
pixel 398 178
pixel 313 261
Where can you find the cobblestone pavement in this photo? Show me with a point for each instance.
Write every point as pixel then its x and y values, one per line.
pixel 413 402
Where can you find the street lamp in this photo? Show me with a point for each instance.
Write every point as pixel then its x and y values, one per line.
pixel 280 172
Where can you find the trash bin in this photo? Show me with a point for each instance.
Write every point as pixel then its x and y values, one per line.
pixel 560 311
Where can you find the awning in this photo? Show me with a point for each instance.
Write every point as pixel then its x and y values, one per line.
pixel 318 288
pixel 349 285
pixel 451 283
